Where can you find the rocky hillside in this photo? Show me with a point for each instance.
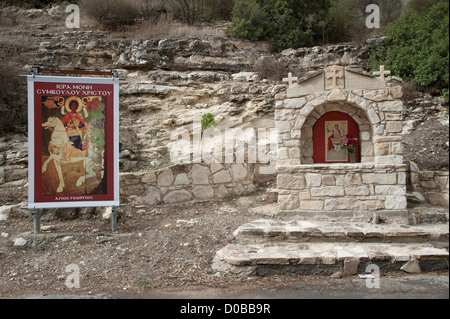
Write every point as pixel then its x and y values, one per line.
pixel 170 82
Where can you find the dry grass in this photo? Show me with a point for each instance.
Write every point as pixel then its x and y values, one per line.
pixel 166 27
pixel 112 14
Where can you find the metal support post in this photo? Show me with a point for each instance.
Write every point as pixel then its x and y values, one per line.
pixel 114 219
pixel 37 220
pixel 114 215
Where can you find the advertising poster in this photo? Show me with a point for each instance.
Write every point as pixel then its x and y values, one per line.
pixel 73 142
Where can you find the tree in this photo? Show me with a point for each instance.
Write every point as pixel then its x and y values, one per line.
pixel 417 48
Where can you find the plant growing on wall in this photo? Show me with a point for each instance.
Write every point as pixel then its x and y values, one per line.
pixel 208 122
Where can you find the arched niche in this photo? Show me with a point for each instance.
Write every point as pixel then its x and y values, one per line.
pixel 347 111
pixel 329 134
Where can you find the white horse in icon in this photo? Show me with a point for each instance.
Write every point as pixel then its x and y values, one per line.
pixel 62 151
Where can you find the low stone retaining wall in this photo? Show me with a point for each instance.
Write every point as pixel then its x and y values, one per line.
pixel 346 190
pixel 433 185
pixel 187 183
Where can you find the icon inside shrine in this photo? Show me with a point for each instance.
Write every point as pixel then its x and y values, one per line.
pixel 331 136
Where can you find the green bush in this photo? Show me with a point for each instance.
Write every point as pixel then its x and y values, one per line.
pixel 342 22
pixel 417 48
pixel 298 23
pixel 112 14
pixel 418 6
pixel 249 20
pixel 445 94
pixel 284 23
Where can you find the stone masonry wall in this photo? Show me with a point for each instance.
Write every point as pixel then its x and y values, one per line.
pixel 342 190
pixel 187 183
pixel 433 185
pixel 378 112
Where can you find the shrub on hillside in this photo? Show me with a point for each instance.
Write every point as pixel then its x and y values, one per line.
pixel 270 68
pixel 284 23
pixel 298 23
pixel 342 22
pixel 187 11
pixel 154 10
pixel 417 48
pixel 112 14
pixel 418 6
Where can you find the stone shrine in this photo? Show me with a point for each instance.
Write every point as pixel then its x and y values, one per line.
pixel 317 177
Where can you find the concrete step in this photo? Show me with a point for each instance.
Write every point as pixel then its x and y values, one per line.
pixel 328 258
pixel 272 231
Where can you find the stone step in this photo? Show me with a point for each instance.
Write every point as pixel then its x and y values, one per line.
pixel 265 230
pixel 328 258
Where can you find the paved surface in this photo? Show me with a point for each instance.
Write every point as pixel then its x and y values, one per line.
pixel 424 286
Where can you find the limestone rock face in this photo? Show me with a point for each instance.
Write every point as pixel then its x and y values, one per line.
pixel 169 83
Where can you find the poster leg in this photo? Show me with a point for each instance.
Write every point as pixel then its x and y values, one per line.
pixel 37 221
pixel 114 219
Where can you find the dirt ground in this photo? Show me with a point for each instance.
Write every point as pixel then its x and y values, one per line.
pixel 169 246
pixel 156 253
pixel 428 145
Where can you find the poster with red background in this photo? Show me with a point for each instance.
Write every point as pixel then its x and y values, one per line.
pixel 73 142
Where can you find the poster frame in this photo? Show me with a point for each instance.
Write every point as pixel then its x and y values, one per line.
pixel 114 194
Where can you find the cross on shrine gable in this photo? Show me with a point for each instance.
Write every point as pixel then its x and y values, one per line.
pixel 290 79
pixel 382 73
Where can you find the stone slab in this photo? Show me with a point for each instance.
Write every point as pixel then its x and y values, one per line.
pixel 303 231
pixel 345 255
